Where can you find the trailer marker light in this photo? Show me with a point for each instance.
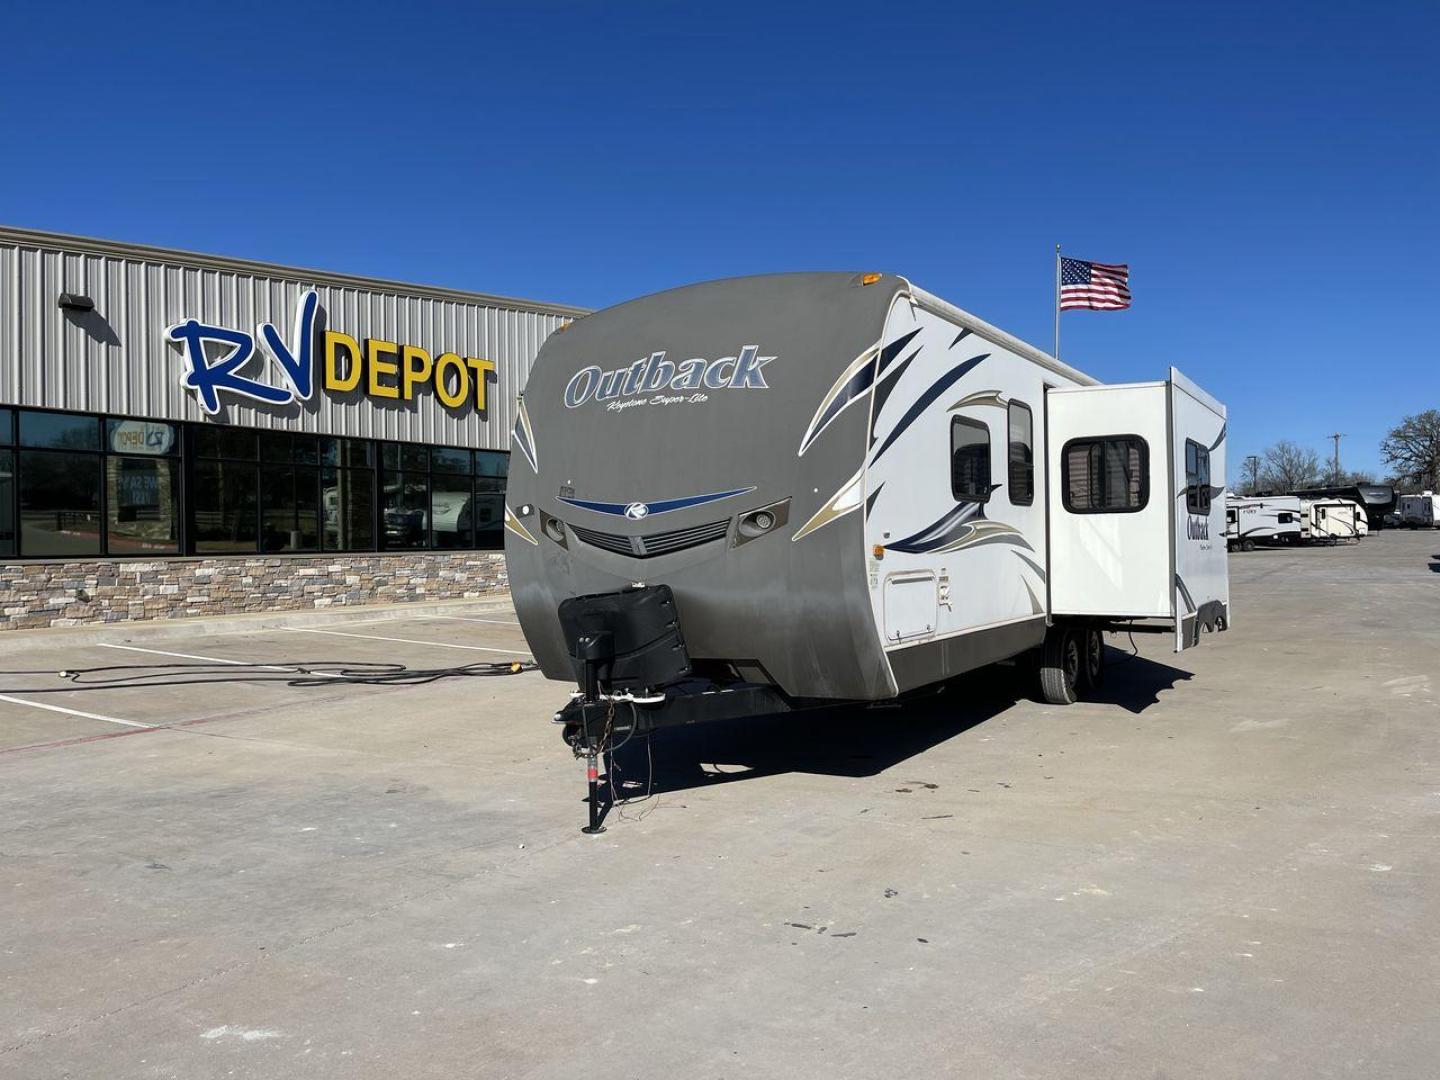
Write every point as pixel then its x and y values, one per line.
pixel 869 279
pixel 878 551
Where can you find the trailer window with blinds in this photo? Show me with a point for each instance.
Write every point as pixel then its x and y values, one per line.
pixel 1197 478
pixel 969 460
pixel 1105 475
pixel 1022 454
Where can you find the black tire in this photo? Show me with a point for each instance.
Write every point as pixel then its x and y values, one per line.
pixel 1092 655
pixel 1060 663
pixel 1247 545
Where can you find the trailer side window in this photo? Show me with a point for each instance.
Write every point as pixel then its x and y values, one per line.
pixel 1197 478
pixel 1285 518
pixel 1109 475
pixel 969 460
pixel 1022 455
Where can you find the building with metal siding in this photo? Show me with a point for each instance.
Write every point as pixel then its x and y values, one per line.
pixel 124 435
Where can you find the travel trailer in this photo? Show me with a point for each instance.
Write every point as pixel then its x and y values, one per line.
pixel 1362 519
pixel 1377 500
pixel 1419 511
pixel 1331 520
pixel 752 495
pixel 1264 519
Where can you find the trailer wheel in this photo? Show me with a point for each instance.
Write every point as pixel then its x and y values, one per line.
pixel 1247 545
pixel 1060 665
pixel 1092 673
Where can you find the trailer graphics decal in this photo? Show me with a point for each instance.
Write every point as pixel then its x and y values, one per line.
pixel 654 375
pixel 868 369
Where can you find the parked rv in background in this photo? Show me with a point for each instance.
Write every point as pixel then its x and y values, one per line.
pixel 1377 499
pixel 1265 519
pixel 1419 511
pixel 1332 520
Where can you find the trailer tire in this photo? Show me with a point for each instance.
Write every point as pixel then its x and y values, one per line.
pixel 1060 666
pixel 1092 671
pixel 1247 545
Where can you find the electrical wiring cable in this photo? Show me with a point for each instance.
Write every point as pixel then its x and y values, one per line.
pixel 308 674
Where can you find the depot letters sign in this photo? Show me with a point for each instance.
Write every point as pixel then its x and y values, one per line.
pixel 383 370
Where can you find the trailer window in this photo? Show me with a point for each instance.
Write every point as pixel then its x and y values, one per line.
pixel 1108 475
pixel 1285 518
pixel 1197 478
pixel 969 460
pixel 1022 455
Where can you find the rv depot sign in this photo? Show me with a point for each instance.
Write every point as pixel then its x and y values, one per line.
pixel 379 369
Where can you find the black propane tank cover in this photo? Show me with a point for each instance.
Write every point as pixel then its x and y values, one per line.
pixel 644 627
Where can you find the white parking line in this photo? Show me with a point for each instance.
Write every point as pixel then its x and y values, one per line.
pixel 400 640
pixel 463 618
pixel 73 712
pixel 289 669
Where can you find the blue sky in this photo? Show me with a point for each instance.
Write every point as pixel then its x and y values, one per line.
pixel 1269 171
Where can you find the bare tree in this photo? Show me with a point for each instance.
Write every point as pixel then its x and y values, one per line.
pixel 1289 466
pixel 1413 450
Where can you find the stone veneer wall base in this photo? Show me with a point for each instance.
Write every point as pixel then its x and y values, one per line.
pixel 82 592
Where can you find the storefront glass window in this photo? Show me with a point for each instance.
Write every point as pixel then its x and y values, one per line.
pixel 59 431
pixel 347 502
pixel 275 446
pixel 151 437
pixel 406 507
pixel 142 505
pixel 59 501
pixel 7 501
pixel 225 499
pixel 405 457
pixel 451 510
pixel 7 427
pixel 224 442
pixel 449 460
pixel 489 507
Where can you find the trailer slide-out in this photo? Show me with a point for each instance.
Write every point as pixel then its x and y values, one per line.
pixel 765 493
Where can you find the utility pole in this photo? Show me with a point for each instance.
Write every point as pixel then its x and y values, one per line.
pixel 1337 436
pixel 1253 464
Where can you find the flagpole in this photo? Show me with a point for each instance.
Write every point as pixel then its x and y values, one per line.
pixel 1057 301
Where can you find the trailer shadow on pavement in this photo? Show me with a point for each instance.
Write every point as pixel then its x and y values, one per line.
pixel 850 741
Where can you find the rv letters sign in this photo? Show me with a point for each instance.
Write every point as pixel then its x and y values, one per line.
pixel 382 370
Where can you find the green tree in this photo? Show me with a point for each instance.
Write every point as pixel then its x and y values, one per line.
pixel 1412 449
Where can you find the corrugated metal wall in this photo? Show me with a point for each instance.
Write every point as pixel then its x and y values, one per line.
pixel 116 359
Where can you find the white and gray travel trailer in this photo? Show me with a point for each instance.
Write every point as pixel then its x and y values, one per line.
pixel 1362 519
pixel 758 494
pixel 1331 520
pixel 1419 511
pixel 1264 519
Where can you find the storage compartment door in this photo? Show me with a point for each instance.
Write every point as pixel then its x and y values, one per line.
pixel 1202 580
pixel 1107 452
pixel 911 606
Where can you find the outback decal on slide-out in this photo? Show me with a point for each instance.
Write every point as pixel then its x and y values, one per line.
pixel 654 380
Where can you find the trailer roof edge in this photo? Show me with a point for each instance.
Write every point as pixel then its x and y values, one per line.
pixel 947 310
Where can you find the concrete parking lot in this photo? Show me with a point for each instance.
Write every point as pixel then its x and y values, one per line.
pixel 1228 868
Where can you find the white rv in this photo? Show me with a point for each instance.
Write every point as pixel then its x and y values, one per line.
pixel 1332 520
pixel 1419 511
pixel 762 494
pixel 1264 519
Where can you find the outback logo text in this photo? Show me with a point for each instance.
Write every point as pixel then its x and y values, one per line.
pixel 653 373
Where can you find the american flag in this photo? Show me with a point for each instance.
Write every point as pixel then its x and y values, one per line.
pixel 1097 286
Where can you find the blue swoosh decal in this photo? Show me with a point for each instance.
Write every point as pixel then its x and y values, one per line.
pixel 662 506
pixel 949 379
